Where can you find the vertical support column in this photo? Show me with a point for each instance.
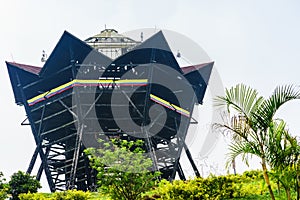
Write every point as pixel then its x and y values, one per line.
pixel 71 183
pixel 80 126
pixel 147 97
pixel 176 163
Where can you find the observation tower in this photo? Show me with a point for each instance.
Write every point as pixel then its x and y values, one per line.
pixel 107 86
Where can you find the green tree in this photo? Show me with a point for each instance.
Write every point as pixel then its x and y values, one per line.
pixel 254 118
pixel 3 187
pixel 21 182
pixel 123 169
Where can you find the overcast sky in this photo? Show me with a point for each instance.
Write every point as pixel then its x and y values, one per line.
pixel 256 42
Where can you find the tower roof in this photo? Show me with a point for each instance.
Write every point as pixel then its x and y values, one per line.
pixel 27 68
pixel 108 33
pixel 109 36
pixel 71 49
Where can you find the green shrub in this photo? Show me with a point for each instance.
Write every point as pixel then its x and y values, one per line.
pixel 21 182
pixel 253 175
pixel 3 187
pixel 3 193
pixel 65 195
pixel 71 195
pixel 213 187
pixel 199 188
pixel 32 196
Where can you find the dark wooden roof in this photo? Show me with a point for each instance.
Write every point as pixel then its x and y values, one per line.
pixel 189 69
pixel 28 68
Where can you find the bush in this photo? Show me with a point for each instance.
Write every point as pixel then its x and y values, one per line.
pixel 213 187
pixel 65 195
pixel 199 188
pixel 71 195
pixel 3 187
pixel 32 196
pixel 253 175
pixel 22 183
pixel 3 194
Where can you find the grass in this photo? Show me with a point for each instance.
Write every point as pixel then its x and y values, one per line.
pixel 266 196
pixel 99 196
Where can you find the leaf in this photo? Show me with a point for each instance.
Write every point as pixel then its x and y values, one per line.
pixel 241 98
pixel 267 109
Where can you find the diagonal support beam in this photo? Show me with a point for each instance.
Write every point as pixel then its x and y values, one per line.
pixel 36 136
pixel 130 101
pixel 40 171
pixel 33 159
pixel 67 107
pixel 93 105
pixel 71 182
pixel 180 172
pixel 24 122
pixel 193 121
pixel 38 147
pixel 189 155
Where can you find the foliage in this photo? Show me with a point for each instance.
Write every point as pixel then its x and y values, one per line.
pixel 3 187
pixel 32 196
pixel 21 182
pixel 249 185
pixel 283 156
pixel 213 187
pixel 123 169
pixel 98 195
pixel 251 120
pixel 3 193
pixel 65 195
pixel 71 195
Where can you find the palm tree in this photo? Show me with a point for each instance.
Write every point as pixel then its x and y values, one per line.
pixel 283 156
pixel 255 118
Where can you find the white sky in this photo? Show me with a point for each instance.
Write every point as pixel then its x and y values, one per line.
pixel 251 41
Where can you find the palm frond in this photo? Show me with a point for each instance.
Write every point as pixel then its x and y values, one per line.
pixel 267 109
pixel 275 136
pixel 241 148
pixel 252 128
pixel 238 130
pixel 234 132
pixel 241 98
pixel 283 149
